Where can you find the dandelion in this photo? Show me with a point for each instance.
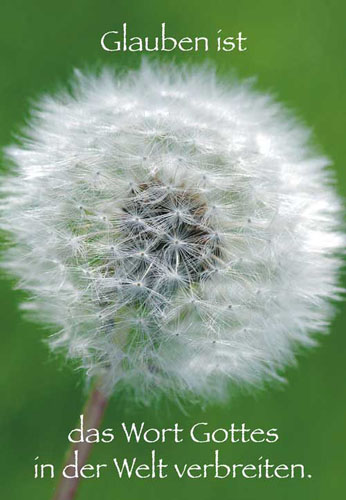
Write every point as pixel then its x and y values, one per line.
pixel 179 233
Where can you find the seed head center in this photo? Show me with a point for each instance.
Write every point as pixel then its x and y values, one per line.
pixel 171 229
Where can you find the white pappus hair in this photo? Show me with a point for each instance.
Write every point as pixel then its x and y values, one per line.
pixel 178 232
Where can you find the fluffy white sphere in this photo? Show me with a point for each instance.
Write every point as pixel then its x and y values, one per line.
pixel 177 232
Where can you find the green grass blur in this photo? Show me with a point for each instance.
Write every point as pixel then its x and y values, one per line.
pixel 297 50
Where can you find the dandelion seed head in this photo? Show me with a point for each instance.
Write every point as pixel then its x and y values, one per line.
pixel 178 233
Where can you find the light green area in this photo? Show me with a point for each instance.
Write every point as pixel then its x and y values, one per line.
pixel 297 49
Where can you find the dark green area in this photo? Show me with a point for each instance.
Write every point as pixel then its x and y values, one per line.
pixel 297 50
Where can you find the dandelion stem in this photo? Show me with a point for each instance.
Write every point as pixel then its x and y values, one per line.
pixel 93 413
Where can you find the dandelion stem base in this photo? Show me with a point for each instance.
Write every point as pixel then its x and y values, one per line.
pixel 93 414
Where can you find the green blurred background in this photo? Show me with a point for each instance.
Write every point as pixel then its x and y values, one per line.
pixel 297 49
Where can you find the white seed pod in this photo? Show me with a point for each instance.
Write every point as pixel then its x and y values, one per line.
pixel 178 233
